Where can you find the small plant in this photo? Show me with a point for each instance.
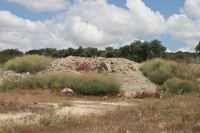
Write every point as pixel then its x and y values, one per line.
pixel 83 67
pixel 28 63
pixel 179 86
pixel 48 119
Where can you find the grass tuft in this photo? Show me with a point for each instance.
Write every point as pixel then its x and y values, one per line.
pixel 179 86
pixel 159 70
pixel 90 83
pixel 177 78
pixel 28 63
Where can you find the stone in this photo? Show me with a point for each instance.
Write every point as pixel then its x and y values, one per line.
pixel 66 90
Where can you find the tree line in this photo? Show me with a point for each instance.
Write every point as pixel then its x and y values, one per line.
pixel 137 51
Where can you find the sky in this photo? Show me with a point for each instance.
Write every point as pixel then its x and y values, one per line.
pixel 60 24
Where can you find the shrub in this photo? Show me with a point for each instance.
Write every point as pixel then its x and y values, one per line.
pixel 159 70
pixel 179 86
pixel 28 63
pixel 95 84
pixel 88 84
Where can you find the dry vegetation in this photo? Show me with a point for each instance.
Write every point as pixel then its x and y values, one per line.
pixel 170 114
pixel 28 63
pixel 88 84
pixel 176 78
pixel 1 68
pixel 22 100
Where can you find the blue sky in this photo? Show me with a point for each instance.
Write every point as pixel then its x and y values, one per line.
pixel 98 23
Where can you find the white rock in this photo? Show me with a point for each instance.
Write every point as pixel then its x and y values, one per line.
pixel 67 90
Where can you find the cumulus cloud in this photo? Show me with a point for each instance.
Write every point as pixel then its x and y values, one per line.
pixel 97 23
pixel 191 8
pixel 10 22
pixel 183 28
pixel 94 23
pixel 43 5
pixel 16 32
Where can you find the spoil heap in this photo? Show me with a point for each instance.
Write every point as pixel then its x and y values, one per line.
pixel 125 70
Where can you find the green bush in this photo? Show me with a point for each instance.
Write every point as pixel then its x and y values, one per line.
pixel 95 84
pixel 28 63
pixel 87 84
pixel 159 70
pixel 179 86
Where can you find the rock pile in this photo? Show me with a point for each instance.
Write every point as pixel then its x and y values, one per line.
pixel 12 74
pixel 125 70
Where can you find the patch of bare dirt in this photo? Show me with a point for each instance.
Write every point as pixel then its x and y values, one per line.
pixel 76 108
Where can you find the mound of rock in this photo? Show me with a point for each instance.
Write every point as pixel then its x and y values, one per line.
pixel 125 70
pixel 12 74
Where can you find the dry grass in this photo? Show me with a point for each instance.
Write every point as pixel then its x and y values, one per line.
pixel 170 114
pixel 159 70
pixel 22 100
pixel 28 63
pixel 90 83
pixel 1 69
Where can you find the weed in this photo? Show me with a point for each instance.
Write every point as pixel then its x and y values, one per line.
pixel 179 86
pixel 28 63
pixel 88 84
pixel 159 70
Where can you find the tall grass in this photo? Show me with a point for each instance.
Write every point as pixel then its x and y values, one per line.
pixel 175 78
pixel 159 70
pixel 179 86
pixel 88 84
pixel 1 68
pixel 28 63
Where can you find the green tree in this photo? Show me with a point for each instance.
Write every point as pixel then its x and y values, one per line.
pixel 8 54
pixel 79 51
pixel 90 52
pixel 157 49
pixel 197 48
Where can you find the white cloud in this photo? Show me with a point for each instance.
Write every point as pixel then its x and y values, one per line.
pixel 184 49
pixel 16 32
pixel 43 5
pixel 183 28
pixel 93 23
pixel 96 23
pixel 10 22
pixel 191 8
